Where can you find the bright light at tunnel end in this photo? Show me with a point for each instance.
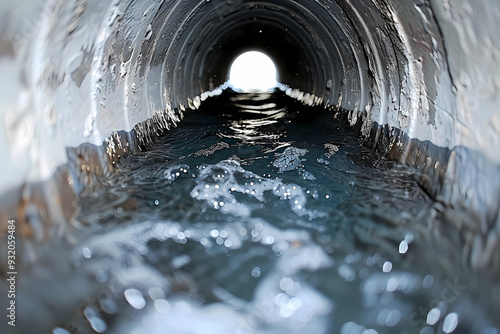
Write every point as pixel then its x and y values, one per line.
pixel 253 71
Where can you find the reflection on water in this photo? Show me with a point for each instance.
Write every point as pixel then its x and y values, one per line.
pixel 256 215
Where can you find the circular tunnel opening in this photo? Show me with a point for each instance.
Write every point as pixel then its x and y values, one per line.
pixel 252 71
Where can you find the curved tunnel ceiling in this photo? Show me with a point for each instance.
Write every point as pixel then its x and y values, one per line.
pixel 386 63
pixel 269 30
pixel 414 75
pixel 287 31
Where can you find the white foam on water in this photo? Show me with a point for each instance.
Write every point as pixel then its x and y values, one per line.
pixel 218 184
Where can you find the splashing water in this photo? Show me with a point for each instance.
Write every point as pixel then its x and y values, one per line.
pixel 256 215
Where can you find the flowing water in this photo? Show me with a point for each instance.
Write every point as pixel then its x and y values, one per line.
pixel 256 215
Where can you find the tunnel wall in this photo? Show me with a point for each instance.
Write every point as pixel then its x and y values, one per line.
pixel 419 77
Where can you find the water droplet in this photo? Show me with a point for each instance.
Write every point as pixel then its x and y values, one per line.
pixel 134 298
pixel 428 281
pixel 269 240
pixel 86 253
pixel 94 319
pixel 403 247
pixel 98 325
pixel 387 267
pixel 392 284
pixel 409 237
pixel 433 316
pixel 450 322
pixel 286 283
pixel 256 272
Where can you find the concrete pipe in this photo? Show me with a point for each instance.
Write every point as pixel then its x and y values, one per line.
pixel 84 82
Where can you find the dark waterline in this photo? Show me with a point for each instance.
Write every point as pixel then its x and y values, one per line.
pixel 260 214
